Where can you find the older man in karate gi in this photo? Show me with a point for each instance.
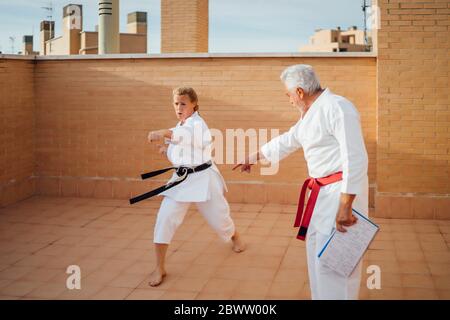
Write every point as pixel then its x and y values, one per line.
pixel 329 131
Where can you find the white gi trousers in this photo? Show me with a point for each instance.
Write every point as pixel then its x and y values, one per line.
pixel 325 283
pixel 216 211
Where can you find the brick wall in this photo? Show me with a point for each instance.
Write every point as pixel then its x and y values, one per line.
pixel 93 122
pixel 413 152
pixel 16 130
pixel 184 26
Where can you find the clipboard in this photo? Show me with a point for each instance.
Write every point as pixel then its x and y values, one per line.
pixel 343 250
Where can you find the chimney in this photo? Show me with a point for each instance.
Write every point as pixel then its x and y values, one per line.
pixel 137 22
pixel 184 26
pixel 108 27
pixel 47 33
pixel 27 45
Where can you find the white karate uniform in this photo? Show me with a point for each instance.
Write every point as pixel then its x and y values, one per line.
pixel 190 147
pixel 331 137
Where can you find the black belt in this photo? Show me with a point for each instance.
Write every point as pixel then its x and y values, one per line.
pixel 182 172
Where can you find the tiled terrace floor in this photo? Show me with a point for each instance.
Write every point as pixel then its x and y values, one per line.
pixel 111 242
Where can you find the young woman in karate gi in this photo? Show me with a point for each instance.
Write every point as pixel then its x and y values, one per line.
pixel 189 144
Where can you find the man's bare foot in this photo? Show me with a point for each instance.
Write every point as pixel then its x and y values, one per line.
pixel 238 245
pixel 156 278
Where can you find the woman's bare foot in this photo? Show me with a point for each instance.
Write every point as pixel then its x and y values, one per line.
pixel 238 245
pixel 156 278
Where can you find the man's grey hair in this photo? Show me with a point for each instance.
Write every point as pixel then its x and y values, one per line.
pixel 301 76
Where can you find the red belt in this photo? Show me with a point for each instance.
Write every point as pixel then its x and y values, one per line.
pixel 314 184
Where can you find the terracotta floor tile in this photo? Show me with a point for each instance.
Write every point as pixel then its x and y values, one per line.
pixel 29 248
pixel 248 287
pixel 382 245
pixel 19 288
pixel 145 294
pixel 125 280
pixel 296 275
pixel 47 291
pixel 417 281
pixel 433 237
pixel 42 274
pixel 33 261
pixel 385 236
pixel 437 256
pixel 285 290
pixel 5 282
pixel 381 255
pixel 410 256
pixel 426 228
pixel 141 244
pixel 211 259
pixel 251 296
pixel 250 273
pixel 267 224
pixel 130 254
pixel 411 267
pixel 278 241
pixel 420 294
pixel 442 282
pixel 213 296
pixel 407 245
pixel 439 269
pixel 442 294
pixel 2 297
pixel 386 294
pixel 251 207
pixel 12 258
pixel 100 277
pixel 86 292
pixel 196 247
pixel 258 231
pixel 385 266
pixel 404 236
pixel 112 293
pixel 217 285
pixel 391 280
pixel 116 265
pixel 90 264
pixel 434 246
pixel 199 271
pixel 140 268
pixel 69 240
pixel 364 293
pixel 15 272
pixel 271 250
pixel 178 295
pixel 102 252
pixel 189 284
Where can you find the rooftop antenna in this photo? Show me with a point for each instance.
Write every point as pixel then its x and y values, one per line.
pixel 364 6
pixel 12 39
pixel 49 10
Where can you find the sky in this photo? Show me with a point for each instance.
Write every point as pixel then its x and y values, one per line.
pixel 234 25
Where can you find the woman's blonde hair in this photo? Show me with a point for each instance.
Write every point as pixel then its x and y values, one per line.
pixel 188 91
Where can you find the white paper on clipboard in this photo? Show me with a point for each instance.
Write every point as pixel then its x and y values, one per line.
pixel 343 250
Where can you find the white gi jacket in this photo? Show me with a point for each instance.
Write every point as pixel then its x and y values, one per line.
pixel 190 147
pixel 331 137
